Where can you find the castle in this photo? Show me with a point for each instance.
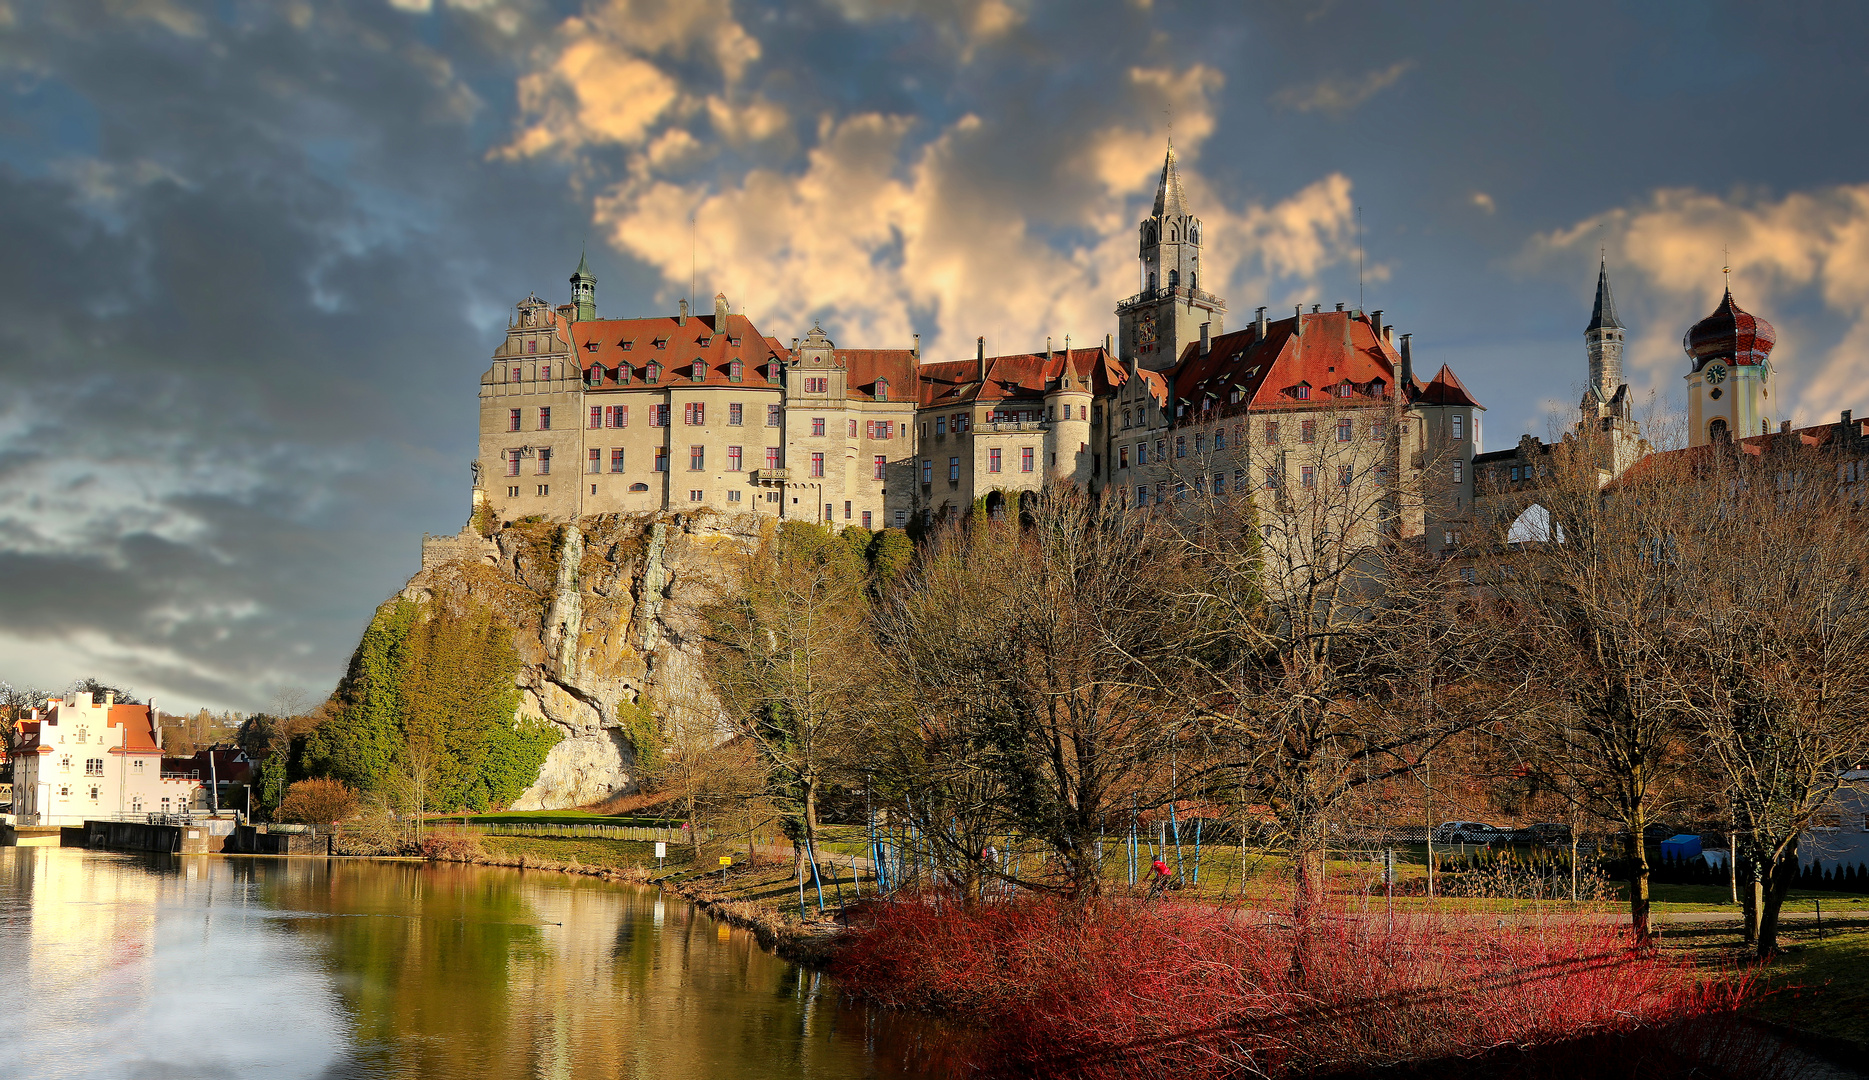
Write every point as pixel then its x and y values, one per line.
pixel 581 415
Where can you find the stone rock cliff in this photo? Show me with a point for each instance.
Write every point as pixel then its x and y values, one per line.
pixel 607 616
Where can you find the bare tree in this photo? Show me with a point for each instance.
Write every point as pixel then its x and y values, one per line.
pixel 16 704
pixel 1591 599
pixel 791 657
pixel 1773 648
pixel 714 775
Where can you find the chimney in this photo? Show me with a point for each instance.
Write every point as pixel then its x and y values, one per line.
pixel 1408 368
pixel 1339 305
pixel 1846 418
pixel 1107 343
pixel 1259 326
pixel 1047 344
pixel 1297 320
pixel 979 355
pixel 1205 343
pixel 682 319
pixel 1388 333
pixel 1315 308
pixel 916 352
pixel 110 698
pixel 720 313
pixel 1784 426
pixel 1375 321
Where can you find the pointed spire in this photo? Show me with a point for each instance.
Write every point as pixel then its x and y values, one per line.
pixel 1604 315
pixel 584 266
pixel 1168 200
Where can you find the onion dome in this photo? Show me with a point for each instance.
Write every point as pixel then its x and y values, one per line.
pixel 1730 334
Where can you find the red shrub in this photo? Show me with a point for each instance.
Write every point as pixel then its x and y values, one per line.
pixel 1122 988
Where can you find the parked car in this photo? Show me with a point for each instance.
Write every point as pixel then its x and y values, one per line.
pixel 1544 832
pixel 1467 832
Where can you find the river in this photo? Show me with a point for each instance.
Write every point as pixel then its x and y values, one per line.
pixel 160 966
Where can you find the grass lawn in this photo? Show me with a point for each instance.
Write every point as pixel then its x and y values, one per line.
pixel 618 854
pixel 561 817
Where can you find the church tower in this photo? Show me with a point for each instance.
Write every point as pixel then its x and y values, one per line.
pixel 584 292
pixel 1603 339
pixel 1158 322
pixel 1729 386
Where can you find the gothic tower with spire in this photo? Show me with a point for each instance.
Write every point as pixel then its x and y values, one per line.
pixel 1157 323
pixel 1603 339
pixel 584 291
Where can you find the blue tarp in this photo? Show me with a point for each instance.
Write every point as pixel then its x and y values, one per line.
pixel 1681 846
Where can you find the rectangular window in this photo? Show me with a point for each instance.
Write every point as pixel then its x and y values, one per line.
pixel 734 414
pixel 596 460
pixel 1122 457
pixel 1343 476
pixel 1271 432
pixel 866 519
pixel 881 463
pixel 512 461
pixel 1161 449
pixel 512 419
pixel 733 496
pixel 817 425
pixel 772 457
pixel 940 425
pixel 1025 459
pixel 817 464
pixel 545 418
pixel 1307 431
pixel 1302 393
pixel 1220 483
pixel 817 386
pixel 733 459
pixel 545 461
pixel 772 416
pixel 953 468
pixel 1307 476
pixel 697 458
pixel 846 510
pixel 597 416
pixel 1181 446
pixel 1457 425
pixel 1220 438
pixel 992 460
pixel 616 416
pixel 1161 491
pixel 94 767
pixel 661 459
pixel 616 459
pixel 1343 431
pixel 853 429
pixel 927 470
pixel 902 520
pixel 1460 471
pixel 658 416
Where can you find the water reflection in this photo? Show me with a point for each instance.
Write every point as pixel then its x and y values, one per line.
pixel 162 966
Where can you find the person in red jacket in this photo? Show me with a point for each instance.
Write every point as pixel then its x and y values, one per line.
pixel 1159 880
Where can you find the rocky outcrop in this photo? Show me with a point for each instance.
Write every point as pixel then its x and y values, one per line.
pixel 608 616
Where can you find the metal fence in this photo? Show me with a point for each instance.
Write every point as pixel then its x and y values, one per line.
pixel 603 832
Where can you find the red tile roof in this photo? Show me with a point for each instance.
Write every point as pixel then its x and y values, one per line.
pixel 139 733
pixel 1335 348
pixel 1445 389
pixel 681 347
pixel 1019 376
pixel 865 366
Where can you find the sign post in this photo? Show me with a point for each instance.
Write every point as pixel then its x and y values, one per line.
pixel 661 850
pixel 725 861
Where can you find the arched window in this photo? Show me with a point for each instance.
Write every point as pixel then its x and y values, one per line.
pixel 1174 279
pixel 1151 282
pixel 882 389
pixel 1717 432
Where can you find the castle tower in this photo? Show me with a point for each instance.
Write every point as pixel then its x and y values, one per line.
pixel 1729 386
pixel 584 292
pixel 1168 313
pixel 1603 339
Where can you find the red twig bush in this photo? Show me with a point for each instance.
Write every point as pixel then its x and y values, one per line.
pixel 1121 988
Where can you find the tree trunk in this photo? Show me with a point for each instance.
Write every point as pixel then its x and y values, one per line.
pixel 1635 857
pixel 1773 889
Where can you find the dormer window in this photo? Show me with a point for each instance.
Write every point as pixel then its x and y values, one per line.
pixel 735 370
pixel 882 389
pixel 626 344
pixel 594 376
pixel 623 374
pixel 1302 393
pixel 1234 397
pixel 734 341
pixel 699 371
pixel 661 343
pixel 1378 388
pixel 653 373
pixel 1344 390
pixel 590 346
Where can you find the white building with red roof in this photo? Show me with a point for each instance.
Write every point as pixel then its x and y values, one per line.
pixel 81 760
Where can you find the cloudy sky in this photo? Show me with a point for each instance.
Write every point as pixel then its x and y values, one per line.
pixel 254 254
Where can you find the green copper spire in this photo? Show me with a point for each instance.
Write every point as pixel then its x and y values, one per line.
pixel 584 290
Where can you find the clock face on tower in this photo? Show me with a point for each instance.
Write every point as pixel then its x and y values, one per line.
pixel 1716 374
pixel 1145 331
